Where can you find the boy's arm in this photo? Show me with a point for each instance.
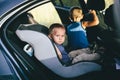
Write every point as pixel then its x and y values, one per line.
pixel 94 22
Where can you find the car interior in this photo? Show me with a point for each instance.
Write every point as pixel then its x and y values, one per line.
pixel 31 28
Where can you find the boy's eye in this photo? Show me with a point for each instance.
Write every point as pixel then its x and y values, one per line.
pixel 63 35
pixel 57 35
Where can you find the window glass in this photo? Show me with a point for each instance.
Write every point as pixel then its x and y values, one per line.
pixel 45 14
pixel 56 2
pixel 70 3
pixel 108 3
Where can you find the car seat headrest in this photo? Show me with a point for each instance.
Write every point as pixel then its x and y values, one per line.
pixel 34 27
pixel 96 4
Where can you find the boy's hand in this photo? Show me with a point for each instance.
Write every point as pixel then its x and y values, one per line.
pixel 92 11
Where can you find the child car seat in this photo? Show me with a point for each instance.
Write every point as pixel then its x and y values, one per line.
pixel 45 53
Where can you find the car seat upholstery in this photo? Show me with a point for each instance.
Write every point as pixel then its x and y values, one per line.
pixel 96 4
pixel 45 52
pixel 109 17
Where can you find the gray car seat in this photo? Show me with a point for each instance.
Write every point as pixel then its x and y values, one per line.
pixel 45 53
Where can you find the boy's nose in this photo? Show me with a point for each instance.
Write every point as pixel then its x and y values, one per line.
pixel 60 38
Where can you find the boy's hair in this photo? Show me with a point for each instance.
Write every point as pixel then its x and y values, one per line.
pixel 55 25
pixel 72 9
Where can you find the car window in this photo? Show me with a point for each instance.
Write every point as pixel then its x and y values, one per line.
pixel 70 3
pixel 45 14
pixel 108 3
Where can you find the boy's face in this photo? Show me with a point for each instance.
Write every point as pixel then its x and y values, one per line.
pixel 58 35
pixel 77 13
